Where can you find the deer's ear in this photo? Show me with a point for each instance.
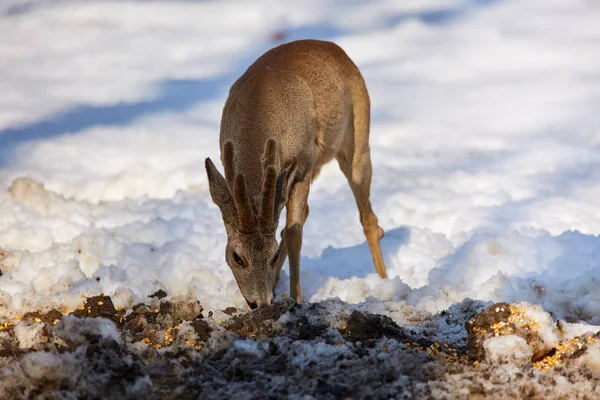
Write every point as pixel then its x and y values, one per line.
pixel 220 193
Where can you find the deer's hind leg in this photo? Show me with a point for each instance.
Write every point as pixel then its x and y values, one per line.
pixel 354 159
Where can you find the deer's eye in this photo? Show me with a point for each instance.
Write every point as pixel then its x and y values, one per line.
pixel 237 259
pixel 275 258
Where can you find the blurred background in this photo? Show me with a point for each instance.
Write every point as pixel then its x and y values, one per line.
pixel 462 81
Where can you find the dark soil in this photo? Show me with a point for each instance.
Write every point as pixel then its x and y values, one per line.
pixel 99 306
pixel 362 327
pixel 478 327
pixel 287 350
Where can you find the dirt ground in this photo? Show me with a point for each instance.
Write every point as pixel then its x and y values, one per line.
pixel 175 349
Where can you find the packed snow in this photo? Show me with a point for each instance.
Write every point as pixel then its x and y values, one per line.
pixel 485 142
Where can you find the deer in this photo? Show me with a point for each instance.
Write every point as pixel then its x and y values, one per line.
pixel 296 108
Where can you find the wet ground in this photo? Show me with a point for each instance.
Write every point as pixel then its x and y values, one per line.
pixel 174 349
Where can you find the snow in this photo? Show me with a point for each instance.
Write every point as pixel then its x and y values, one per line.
pixel 505 349
pixel 29 335
pixel 79 331
pixel 42 365
pixel 308 353
pixel 592 357
pixel 484 142
pixel 547 327
pixel 248 348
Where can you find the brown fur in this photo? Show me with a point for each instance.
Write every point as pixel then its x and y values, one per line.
pixel 312 100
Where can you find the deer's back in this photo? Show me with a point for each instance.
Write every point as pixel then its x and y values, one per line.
pixel 302 94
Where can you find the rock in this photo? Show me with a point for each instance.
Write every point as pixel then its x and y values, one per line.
pixel 479 328
pixel 362 327
pixel 186 309
pixel 521 324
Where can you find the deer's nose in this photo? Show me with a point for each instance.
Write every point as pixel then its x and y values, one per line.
pixel 267 301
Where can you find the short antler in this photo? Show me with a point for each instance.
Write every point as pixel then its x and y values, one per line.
pixel 266 216
pixel 237 185
pixel 243 206
pixel 274 190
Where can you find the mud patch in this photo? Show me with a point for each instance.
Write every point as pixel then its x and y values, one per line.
pixel 167 349
pixel 50 317
pixel 159 294
pixel 202 329
pixel 364 327
pixel 261 322
pixel 99 306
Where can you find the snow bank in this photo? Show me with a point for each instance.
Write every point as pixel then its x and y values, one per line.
pixel 484 144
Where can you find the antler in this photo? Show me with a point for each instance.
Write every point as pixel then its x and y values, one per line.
pixel 266 216
pixel 242 204
pixel 237 184
pixel 274 190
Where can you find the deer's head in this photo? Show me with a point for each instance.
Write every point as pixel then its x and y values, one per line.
pixel 252 250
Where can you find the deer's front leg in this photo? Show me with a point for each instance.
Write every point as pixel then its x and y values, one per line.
pixel 297 212
pixel 283 253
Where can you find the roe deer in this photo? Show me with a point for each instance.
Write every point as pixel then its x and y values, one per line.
pixel 297 107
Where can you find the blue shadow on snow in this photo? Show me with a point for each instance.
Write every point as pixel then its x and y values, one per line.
pixel 172 95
